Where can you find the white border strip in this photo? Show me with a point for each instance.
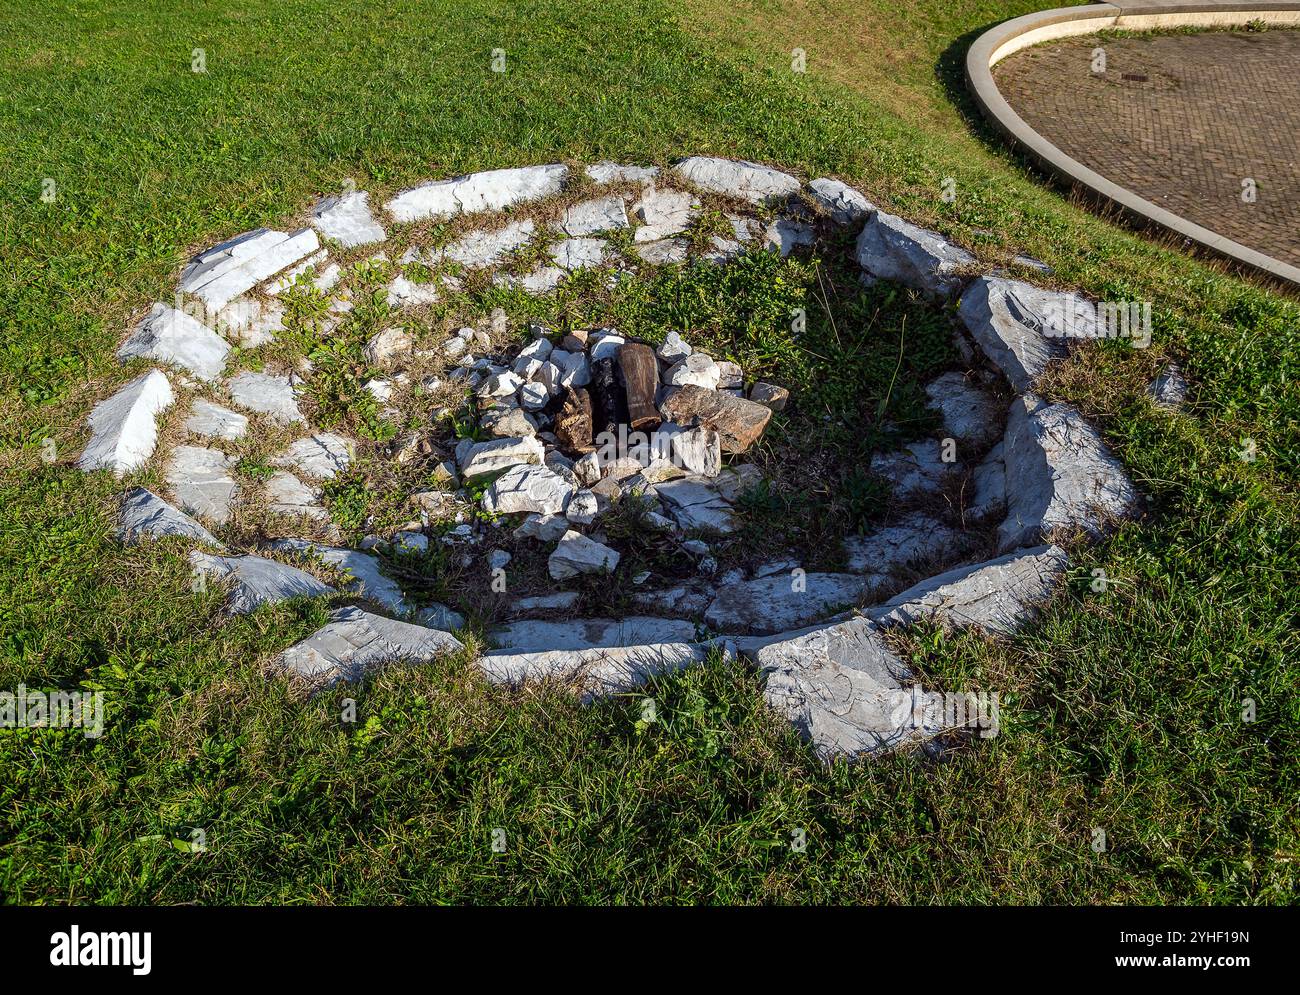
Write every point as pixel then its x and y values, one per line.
pixel 1065 22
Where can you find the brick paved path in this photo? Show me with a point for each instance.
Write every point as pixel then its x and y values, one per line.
pixel 1205 112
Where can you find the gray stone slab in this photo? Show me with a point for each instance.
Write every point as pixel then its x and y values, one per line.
pixel 166 335
pixel 202 482
pixel 355 642
pixel 123 428
pixel 254 580
pixel 493 190
pixel 145 513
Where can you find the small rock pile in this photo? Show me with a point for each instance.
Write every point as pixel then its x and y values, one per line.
pixel 581 420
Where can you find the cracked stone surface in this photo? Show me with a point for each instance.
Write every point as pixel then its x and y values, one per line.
pixel 251 322
pixel 486 248
pixel 144 513
pixel 917 538
pixel 123 429
pixel 364 576
pixel 579 253
pixel 841 686
pixel 355 641
pixel 202 483
pixel 227 270
pixel 915 470
pixel 493 190
pixel 744 180
pixel 592 216
pixel 166 335
pixel 600 671
pixel 577 554
pixel 254 580
pixel 893 249
pixel 483 459
pixel 694 504
pixel 785 235
pixel 1022 328
pixel 265 394
pixel 612 172
pixel 347 220
pixel 589 633
pixel 782 601
pixel 970 414
pixel 844 204
pixel 213 421
pixel 287 495
pixel 321 457
pixel 529 489
pixel 997 595
pixel 1059 474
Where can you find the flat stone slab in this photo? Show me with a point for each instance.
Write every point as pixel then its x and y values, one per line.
pixel 355 641
pixel 486 248
pixel 365 578
pixel 894 249
pixel 997 595
pixel 917 538
pixel 579 253
pixel 592 216
pixel 483 459
pixel 256 581
pixel 914 471
pixel 227 270
pixel 589 633
pixel 123 429
pixel 600 671
pixel 213 421
pixel 493 190
pixel 287 495
pixel 784 236
pixel 321 457
pixel 971 415
pixel 784 601
pixel 166 335
pixel 202 482
pixel 252 322
pixel 738 178
pixel 840 686
pixel 266 394
pixel 1059 474
pixel 347 220
pixel 612 172
pixel 694 504
pixel 844 204
pixel 663 213
pixel 1022 328
pixel 145 513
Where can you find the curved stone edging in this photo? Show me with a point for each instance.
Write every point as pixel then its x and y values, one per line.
pixel 1065 22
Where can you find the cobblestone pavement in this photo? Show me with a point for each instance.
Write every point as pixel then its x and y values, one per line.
pixel 1182 120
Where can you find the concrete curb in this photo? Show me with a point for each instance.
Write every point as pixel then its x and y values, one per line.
pixel 1064 22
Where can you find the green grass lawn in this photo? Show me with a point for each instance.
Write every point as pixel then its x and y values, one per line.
pixel 1122 709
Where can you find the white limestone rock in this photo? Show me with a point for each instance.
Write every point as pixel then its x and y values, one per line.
pixel 592 216
pixel 590 633
pixel 990 487
pixel 528 489
pixel 487 248
pixel 167 335
pixel 785 601
pixel 698 450
pixel 997 595
pixel 543 528
pixel 484 459
pixel 784 236
pixel 841 687
pixel 1059 474
pixel 674 348
pixel 541 280
pixel 534 396
pixel 254 581
pixel 389 345
pixel 970 414
pixel 600 671
pixel 202 482
pixel 1169 388
pixel 579 253
pixel 576 554
pixel 347 220
pixel 694 504
pixel 738 178
pixel 265 394
pixel 404 293
pixel 914 471
pixel 611 172
pixel 893 249
pixel 356 641
pixel 145 513
pixel 227 270
pixel 287 495
pixel 493 190
pixel 123 430
pixel 362 569
pixel 696 369
pixel 1022 328
pixel 212 421
pixel 583 507
pixel 321 457
pixel 663 213
pixel 664 252
pixel 916 539
pixel 845 205
pixel 321 275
